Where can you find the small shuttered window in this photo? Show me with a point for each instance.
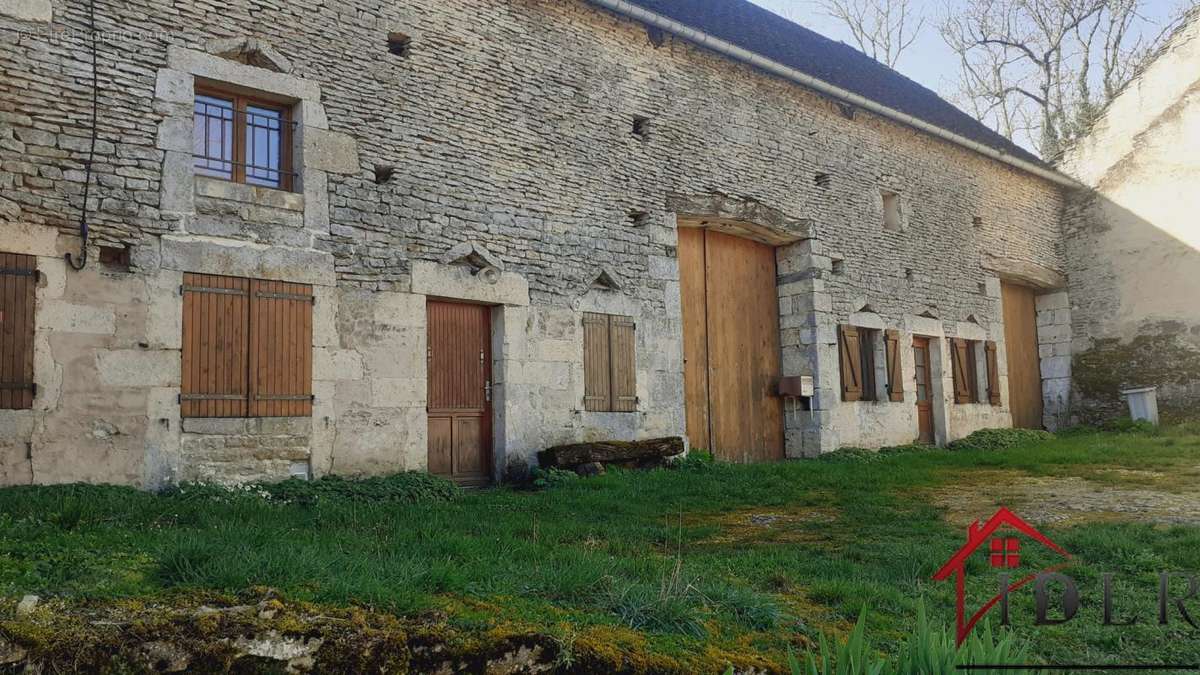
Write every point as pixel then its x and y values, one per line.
pixel 247 348
pixel 18 283
pixel 609 363
pixel 962 365
pixel 993 373
pixel 895 381
pixel 856 347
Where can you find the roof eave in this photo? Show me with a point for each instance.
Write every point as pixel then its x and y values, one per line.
pixel 787 72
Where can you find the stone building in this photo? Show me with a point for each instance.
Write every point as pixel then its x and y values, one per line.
pixel 1133 241
pixel 365 237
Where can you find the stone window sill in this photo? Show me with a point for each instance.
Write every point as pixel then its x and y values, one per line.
pixel 215 188
pixel 244 426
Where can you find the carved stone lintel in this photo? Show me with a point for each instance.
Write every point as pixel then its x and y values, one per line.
pixel 740 216
pixel 1026 273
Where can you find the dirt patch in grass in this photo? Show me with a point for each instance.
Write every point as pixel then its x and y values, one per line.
pixel 1120 495
pixel 772 525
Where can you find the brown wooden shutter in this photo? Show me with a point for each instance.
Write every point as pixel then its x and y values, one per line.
pixel 624 363
pixel 959 354
pixel 216 318
pixel 894 370
pixel 18 283
pixel 597 365
pixel 993 373
pixel 851 360
pixel 280 349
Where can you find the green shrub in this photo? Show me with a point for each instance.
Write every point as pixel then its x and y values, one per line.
pixel 411 487
pixel 1000 439
pixel 850 454
pixel 907 449
pixel 695 460
pixel 544 479
pixel 1126 425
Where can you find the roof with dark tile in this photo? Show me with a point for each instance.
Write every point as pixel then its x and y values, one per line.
pixel 767 34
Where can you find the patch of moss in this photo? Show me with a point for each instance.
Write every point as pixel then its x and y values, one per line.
pixel 203 633
pixel 1161 359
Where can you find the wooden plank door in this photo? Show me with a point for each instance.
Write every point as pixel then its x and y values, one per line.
pixel 1024 362
pixel 460 380
pixel 731 346
pixel 923 389
pixel 694 304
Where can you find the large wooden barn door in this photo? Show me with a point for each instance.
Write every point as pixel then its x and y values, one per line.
pixel 731 346
pixel 1024 364
pixel 460 402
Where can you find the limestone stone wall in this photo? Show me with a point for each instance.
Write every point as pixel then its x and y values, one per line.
pixel 1134 242
pixel 1054 351
pixel 507 126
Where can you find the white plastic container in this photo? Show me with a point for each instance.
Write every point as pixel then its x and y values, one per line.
pixel 1143 403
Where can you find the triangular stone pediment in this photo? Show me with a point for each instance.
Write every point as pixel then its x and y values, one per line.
pixel 606 281
pixel 474 255
pixel 251 52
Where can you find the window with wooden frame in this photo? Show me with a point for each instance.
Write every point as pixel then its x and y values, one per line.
pixel 609 363
pixel 962 365
pixel 243 139
pixel 247 348
pixel 856 347
pixel 18 284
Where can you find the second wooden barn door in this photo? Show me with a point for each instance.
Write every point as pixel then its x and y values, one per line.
pixel 731 345
pixel 1024 364
pixel 460 383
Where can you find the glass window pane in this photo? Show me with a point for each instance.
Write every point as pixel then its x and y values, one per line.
pixel 921 375
pixel 263 146
pixel 212 143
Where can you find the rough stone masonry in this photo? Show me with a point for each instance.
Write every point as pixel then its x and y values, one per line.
pixel 501 127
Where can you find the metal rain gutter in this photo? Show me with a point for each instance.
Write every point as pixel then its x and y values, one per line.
pixel 733 51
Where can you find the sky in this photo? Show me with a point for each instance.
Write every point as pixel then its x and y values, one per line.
pixel 928 61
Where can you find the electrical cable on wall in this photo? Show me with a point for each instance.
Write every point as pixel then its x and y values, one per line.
pixel 87 169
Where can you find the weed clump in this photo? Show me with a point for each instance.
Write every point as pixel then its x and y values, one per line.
pixel 545 479
pixel 404 488
pixel 1126 425
pixel 696 460
pixel 1000 439
pixel 855 454
pixel 928 649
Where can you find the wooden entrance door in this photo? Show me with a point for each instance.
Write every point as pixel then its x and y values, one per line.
pixel 731 346
pixel 1024 363
pixel 924 397
pixel 460 381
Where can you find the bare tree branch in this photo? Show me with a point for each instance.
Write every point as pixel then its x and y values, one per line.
pixel 882 29
pixel 1027 64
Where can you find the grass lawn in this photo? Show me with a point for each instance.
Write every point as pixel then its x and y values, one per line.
pixel 695 567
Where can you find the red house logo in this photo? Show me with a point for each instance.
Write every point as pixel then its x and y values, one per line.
pixel 1004 552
